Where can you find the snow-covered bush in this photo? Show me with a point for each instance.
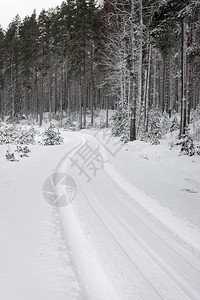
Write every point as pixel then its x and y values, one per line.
pixel 198 150
pixel 196 131
pixel 22 151
pixel 52 136
pixel 174 123
pixel 125 138
pixel 2 137
pixel 165 123
pixel 70 122
pixel 15 119
pixel 13 135
pixel 10 156
pixel 160 124
pixel 120 126
pixel 24 136
pixel 102 123
pixel 154 127
pixel 196 124
pixel 187 145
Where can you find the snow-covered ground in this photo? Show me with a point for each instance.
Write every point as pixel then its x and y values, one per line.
pixel 35 262
pixel 132 231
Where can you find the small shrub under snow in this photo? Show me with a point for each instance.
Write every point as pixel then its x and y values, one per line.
pixel 10 156
pixel 52 136
pixel 14 135
pixel 120 123
pixel 187 145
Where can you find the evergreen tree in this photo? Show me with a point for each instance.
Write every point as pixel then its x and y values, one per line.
pixel 169 31
pixel 43 62
pixel 78 57
pixel 29 34
pixel 2 58
pixel 12 50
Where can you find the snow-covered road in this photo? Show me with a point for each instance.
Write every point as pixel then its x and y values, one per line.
pixel 140 256
pixel 115 241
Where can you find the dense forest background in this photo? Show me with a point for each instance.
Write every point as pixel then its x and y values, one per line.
pixel 140 58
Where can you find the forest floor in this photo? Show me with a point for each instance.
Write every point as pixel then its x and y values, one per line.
pixel 97 220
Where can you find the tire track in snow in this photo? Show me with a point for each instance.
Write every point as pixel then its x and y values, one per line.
pixel 93 288
pixel 191 293
pixel 178 243
pixel 171 238
pixel 153 294
pixel 168 286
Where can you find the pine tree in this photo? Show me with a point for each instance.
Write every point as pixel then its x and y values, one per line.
pixel 2 57
pixel 29 34
pixel 52 136
pixel 168 26
pixel 13 48
pixel 43 64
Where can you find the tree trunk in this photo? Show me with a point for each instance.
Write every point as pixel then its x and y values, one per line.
pixel 183 81
pixel 61 91
pixel 107 107
pixel 41 98
pixel 140 65
pixel 147 88
pixel 84 89
pixel 92 87
pixel 80 96
pixel 164 85
pixel 12 91
pixel 54 108
pixel 132 78
pixel 167 86
pixel 50 90
pixel 155 104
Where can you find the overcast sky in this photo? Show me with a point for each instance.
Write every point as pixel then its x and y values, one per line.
pixel 10 8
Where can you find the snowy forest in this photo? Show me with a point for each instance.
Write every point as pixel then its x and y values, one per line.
pixel 140 58
pixel 100 151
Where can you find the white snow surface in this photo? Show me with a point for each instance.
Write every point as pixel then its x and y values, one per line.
pixel 132 231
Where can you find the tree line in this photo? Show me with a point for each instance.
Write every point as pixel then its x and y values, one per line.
pixel 130 55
